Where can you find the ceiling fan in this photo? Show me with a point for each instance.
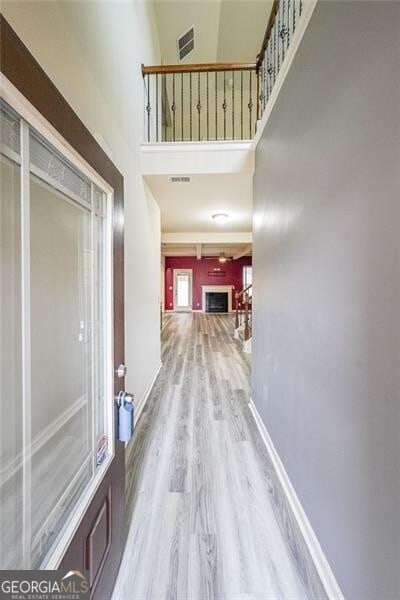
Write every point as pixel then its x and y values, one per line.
pixel 221 257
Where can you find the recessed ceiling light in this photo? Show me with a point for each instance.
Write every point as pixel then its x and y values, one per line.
pixel 220 218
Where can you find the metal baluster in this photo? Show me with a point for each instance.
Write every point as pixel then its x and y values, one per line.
pixel 190 105
pixel 164 105
pixel 294 16
pixel 182 106
pixel 224 105
pixel 275 59
pixel 262 94
pixel 216 106
pixel 198 101
pixel 173 107
pixel 241 104
pixel 266 81
pixel 301 8
pixel 284 32
pixel 250 105
pixel 208 112
pixel 278 29
pixel 157 107
pixel 233 105
pixel 148 108
pixel 288 24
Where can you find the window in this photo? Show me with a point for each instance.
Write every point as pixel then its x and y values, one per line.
pixel 248 277
pixel 56 422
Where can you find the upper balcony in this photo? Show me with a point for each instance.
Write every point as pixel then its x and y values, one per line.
pixel 222 102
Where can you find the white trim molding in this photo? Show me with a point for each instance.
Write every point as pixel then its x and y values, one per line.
pixel 320 562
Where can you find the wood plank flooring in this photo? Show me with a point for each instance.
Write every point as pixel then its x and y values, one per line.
pixel 200 517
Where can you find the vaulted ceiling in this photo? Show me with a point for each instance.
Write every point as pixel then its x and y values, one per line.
pixel 225 30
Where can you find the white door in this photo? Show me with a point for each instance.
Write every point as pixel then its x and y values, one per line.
pixel 183 289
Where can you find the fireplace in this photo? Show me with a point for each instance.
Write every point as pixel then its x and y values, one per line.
pixel 216 302
pixel 215 291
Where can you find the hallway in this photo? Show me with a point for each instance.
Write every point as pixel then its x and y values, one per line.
pixel 201 520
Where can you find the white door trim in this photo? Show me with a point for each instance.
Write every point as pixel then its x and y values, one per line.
pixel 175 290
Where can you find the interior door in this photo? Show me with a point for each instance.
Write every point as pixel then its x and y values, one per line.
pixel 62 468
pixel 183 289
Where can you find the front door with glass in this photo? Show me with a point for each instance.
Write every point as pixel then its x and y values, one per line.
pixel 57 441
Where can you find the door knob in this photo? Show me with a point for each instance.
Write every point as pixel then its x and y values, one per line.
pixel 121 371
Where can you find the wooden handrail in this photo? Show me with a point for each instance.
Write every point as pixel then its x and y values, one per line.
pixel 243 291
pixel 267 35
pixel 197 68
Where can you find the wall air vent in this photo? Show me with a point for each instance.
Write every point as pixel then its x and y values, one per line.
pixel 180 179
pixel 185 44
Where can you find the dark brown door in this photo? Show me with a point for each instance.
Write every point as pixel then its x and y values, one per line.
pixel 97 544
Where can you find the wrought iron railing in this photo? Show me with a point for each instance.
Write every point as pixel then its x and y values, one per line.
pixel 243 315
pixel 200 102
pixel 218 101
pixel 284 18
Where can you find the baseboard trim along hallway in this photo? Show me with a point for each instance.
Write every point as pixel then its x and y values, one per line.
pixel 295 521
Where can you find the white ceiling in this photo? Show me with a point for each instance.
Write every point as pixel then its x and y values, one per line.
pixel 225 30
pixel 188 207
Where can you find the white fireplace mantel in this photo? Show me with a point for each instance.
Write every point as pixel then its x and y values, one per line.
pixel 216 288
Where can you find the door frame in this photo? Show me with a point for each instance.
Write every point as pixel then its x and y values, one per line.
pixel 188 308
pixel 23 77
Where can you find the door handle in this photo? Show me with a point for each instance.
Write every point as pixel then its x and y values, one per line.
pixel 121 371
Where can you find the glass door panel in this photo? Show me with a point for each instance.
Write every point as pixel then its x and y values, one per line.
pixel 61 358
pixel 11 455
pixel 56 407
pixel 182 284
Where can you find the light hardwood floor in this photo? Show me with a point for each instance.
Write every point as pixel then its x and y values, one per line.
pixel 200 516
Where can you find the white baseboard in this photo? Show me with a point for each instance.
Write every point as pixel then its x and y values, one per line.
pixel 321 564
pixel 139 406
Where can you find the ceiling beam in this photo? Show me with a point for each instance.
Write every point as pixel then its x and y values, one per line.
pixel 243 252
pixel 198 251
pixel 222 237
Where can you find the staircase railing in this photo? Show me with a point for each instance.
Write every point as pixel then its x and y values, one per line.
pixel 284 18
pixel 218 101
pixel 202 102
pixel 247 303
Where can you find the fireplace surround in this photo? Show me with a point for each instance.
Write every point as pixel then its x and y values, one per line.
pixel 216 289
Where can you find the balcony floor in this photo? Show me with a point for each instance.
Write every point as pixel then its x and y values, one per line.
pixel 201 520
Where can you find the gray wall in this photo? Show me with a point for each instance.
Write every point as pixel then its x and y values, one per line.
pixel 326 345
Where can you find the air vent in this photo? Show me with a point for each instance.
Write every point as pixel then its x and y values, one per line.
pixel 180 179
pixel 186 44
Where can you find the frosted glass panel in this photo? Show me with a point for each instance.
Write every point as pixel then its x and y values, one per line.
pixel 11 366
pixel 54 337
pixel 182 282
pixel 61 362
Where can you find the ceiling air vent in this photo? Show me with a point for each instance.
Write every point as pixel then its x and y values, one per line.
pixel 186 44
pixel 180 179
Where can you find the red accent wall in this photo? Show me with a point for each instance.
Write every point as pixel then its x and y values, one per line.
pixel 233 275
